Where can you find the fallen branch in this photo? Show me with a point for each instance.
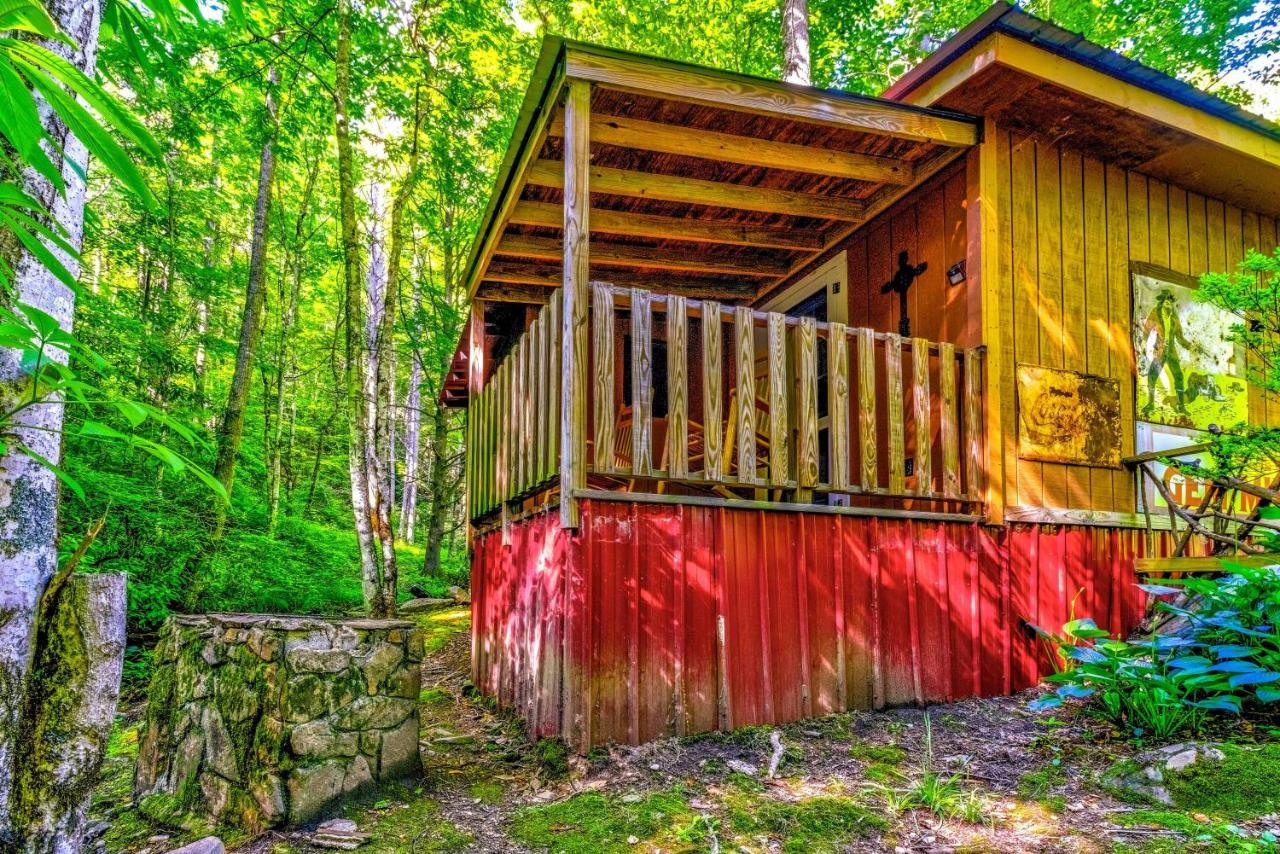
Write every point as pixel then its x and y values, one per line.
pixel 775 738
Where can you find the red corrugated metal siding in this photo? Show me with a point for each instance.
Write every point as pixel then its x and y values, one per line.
pixel 655 619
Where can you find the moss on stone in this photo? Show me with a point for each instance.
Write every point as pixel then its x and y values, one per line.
pixel 596 823
pixel 1243 785
pixel 883 754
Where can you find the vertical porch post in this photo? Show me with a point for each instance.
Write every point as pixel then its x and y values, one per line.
pixel 573 364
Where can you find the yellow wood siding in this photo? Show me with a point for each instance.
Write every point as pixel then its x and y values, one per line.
pixel 1069 226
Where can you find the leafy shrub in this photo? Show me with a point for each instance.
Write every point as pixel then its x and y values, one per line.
pixel 1228 658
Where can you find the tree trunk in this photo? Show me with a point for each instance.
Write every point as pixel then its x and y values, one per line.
pixel 795 41
pixel 231 428
pixel 28 490
pixel 377 602
pixel 439 511
pixel 288 313
pixel 412 433
pixel 69 709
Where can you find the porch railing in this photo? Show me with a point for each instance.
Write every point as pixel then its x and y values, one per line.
pixel 692 396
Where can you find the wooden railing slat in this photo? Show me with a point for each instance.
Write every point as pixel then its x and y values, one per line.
pixel 779 426
pixel 838 404
pixel 745 364
pixel 554 327
pixel 602 355
pixel 713 455
pixel 641 384
pixel 972 423
pixel 867 439
pixel 947 428
pixel 807 404
pixel 677 387
pixel 923 415
pixel 897 438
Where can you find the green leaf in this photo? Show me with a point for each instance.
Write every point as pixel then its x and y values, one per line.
pixel 29 17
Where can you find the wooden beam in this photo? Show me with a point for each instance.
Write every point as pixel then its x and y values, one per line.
pixel 577 209
pixel 549 249
pixel 745 150
pixel 673 228
pixel 520 293
pixel 549 277
pixel 736 91
pixel 696 191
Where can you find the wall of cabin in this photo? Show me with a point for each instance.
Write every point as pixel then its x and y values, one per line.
pixel 929 225
pixel 1069 227
pixel 654 619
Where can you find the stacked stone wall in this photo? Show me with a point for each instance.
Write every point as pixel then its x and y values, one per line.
pixel 260 721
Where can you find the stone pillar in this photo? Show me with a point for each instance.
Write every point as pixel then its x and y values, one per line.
pixel 261 721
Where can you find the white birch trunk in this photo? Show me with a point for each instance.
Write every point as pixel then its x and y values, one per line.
pixel 28 490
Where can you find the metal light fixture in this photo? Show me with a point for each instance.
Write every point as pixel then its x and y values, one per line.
pixel 956 274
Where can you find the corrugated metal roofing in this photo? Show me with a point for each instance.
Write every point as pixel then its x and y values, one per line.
pixel 1012 20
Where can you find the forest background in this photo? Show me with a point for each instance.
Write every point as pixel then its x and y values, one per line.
pixel 222 301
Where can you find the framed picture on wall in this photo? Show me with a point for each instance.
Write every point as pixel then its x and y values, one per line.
pixel 1068 417
pixel 1190 374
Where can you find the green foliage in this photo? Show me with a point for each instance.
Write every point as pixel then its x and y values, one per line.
pixel 1204 836
pixel 596 823
pixel 884 754
pixel 821 824
pixel 1229 659
pixel 552 756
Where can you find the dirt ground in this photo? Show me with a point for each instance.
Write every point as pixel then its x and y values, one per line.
pixel 981 775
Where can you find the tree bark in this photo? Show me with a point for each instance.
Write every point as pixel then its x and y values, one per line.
pixel 231 428
pixel 439 482
pixel 412 433
pixel 288 313
pixel 28 490
pixel 69 710
pixel 795 41
pixel 373 583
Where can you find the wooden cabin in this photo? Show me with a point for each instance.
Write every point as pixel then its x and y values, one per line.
pixel 787 401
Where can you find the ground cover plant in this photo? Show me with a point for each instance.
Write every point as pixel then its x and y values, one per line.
pixel 1225 660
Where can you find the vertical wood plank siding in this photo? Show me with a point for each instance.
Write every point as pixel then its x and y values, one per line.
pixel 820 613
pixel 1070 227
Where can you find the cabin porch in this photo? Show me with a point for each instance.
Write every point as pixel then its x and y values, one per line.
pixel 692 401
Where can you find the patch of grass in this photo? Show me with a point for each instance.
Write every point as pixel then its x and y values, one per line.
pixel 487 791
pixel 552 756
pixel 880 754
pixel 435 697
pixel 818 824
pixel 596 823
pixel 744 736
pixel 945 797
pixel 1039 785
pixel 1244 785
pixel 442 625
pixel 879 772
pixel 405 821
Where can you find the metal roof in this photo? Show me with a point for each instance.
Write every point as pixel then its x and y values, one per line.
pixel 1006 18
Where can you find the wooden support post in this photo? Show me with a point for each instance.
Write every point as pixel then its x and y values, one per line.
pixel 838 404
pixel 555 331
pixel 602 350
pixel 713 462
pixel 475 384
pixel 573 367
pixel 807 405
pixel 745 364
pixel 641 384
pixel 677 387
